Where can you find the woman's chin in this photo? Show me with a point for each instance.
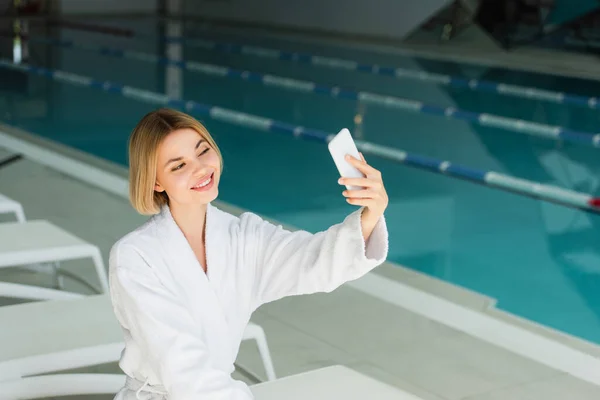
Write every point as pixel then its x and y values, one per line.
pixel 206 197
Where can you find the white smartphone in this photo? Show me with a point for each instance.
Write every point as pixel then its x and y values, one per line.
pixel 341 145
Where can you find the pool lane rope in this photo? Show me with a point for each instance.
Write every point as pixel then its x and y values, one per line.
pixel 552 132
pixel 459 82
pixel 490 178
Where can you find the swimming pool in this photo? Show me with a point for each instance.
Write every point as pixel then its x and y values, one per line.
pixel 538 259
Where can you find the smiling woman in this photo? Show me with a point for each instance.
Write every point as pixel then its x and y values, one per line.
pixel 185 284
pixel 192 164
pixel 171 152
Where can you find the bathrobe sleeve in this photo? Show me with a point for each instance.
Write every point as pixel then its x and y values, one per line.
pixel 299 262
pixel 171 340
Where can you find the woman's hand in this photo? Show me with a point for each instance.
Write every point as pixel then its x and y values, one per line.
pixel 372 196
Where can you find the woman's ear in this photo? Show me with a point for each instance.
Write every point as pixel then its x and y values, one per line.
pixel 158 187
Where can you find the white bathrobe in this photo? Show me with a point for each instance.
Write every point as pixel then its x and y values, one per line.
pixel 183 327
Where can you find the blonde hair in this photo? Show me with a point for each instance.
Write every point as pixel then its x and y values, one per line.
pixel 144 141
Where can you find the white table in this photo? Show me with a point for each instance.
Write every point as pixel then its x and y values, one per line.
pixel 331 383
pixel 35 242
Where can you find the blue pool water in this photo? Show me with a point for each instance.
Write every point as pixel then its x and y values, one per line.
pixel 539 260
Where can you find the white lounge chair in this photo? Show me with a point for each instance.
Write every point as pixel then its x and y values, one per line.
pixel 37 387
pixel 50 336
pixel 47 336
pixel 335 382
pixel 10 206
pixel 40 242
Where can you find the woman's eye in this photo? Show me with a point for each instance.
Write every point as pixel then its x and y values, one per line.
pixel 204 151
pixel 178 167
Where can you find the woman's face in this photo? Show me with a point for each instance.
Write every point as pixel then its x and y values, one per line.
pixel 188 168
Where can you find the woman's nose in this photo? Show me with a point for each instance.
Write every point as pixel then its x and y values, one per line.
pixel 199 166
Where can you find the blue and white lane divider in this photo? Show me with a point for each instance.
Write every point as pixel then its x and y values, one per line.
pixel 490 178
pixel 552 132
pixel 390 71
pixel 396 72
pixel 400 73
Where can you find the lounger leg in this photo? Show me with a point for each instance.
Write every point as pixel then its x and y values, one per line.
pixel 59 280
pixel 100 270
pixel 20 214
pixel 265 355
